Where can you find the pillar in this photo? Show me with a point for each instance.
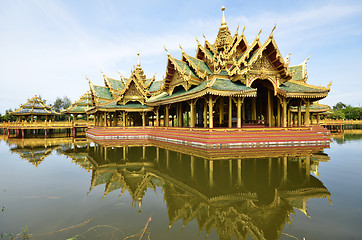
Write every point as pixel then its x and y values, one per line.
pixel 269 109
pixel 205 113
pixel 253 109
pixel 143 119
pixel 230 113
pixel 318 118
pixel 157 117
pixel 221 112
pixel 300 114
pixel 211 122
pixel 284 113
pixel 279 122
pixel 124 118
pixel 307 115
pixel 239 113
pixel 289 123
pixel 166 116
pixel 192 113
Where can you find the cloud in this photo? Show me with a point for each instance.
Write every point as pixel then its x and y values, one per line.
pixel 49 48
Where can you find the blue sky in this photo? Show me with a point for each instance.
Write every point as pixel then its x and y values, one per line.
pixel 48 47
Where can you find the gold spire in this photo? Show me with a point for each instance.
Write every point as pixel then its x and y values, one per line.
pixel 223 38
pixel 223 21
pixel 138 61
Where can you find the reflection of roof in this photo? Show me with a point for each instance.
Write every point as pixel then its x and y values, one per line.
pixel 35 106
pixel 34 155
pixel 234 207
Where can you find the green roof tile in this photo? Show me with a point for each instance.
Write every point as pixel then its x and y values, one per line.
pixel 298 88
pixel 155 86
pixel 297 72
pixel 185 67
pixel 115 84
pixel 102 92
pixel 228 85
pixel 203 66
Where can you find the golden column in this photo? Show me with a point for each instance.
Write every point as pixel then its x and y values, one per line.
pixel 253 109
pixel 211 122
pixel 179 115
pixel 239 113
pixel 124 118
pixel 289 123
pixel 307 115
pixel 284 113
pixel 166 116
pixel 192 113
pixel 279 122
pixel 157 117
pixel 205 113
pixel 143 119
pixel 300 114
pixel 269 109
pixel 221 113
pixel 318 118
pixel 230 113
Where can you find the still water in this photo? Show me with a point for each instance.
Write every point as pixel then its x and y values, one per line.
pixel 65 188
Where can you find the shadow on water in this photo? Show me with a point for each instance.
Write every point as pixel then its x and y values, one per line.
pixel 234 193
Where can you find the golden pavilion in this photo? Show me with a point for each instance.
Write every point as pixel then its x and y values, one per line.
pixel 229 83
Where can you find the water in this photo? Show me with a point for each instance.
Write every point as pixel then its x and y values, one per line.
pixel 63 188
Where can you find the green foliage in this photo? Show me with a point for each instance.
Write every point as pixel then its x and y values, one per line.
pixel 343 111
pixel 7 116
pixel 59 105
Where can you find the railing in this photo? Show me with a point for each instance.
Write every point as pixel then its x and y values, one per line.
pixel 340 122
pixel 45 125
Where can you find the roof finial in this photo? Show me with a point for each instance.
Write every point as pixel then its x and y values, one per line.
pixel 138 61
pixel 223 21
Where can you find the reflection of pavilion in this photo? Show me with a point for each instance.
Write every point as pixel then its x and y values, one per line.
pixel 236 197
pixel 35 150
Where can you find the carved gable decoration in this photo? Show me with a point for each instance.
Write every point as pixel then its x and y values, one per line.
pixel 263 64
pixel 177 80
pixel 133 94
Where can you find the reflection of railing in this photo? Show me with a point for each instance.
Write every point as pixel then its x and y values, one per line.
pixel 46 125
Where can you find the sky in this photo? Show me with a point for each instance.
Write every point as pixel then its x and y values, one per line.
pixel 47 47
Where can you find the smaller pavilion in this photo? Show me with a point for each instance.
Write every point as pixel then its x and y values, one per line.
pixel 80 106
pixel 35 107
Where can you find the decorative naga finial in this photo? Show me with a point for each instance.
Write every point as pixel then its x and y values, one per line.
pixel 181 48
pixel 168 54
pixel 242 34
pixel 237 29
pixel 138 61
pixel 223 21
pixel 198 41
pixel 261 29
pixel 329 85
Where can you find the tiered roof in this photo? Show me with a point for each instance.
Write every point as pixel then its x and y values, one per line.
pixel 228 67
pixel 80 106
pixel 128 94
pixel 35 106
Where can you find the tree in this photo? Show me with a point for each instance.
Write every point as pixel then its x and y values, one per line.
pixel 61 104
pixel 7 116
pixel 339 105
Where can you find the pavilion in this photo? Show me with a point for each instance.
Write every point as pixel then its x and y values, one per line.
pixel 35 107
pixel 229 83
